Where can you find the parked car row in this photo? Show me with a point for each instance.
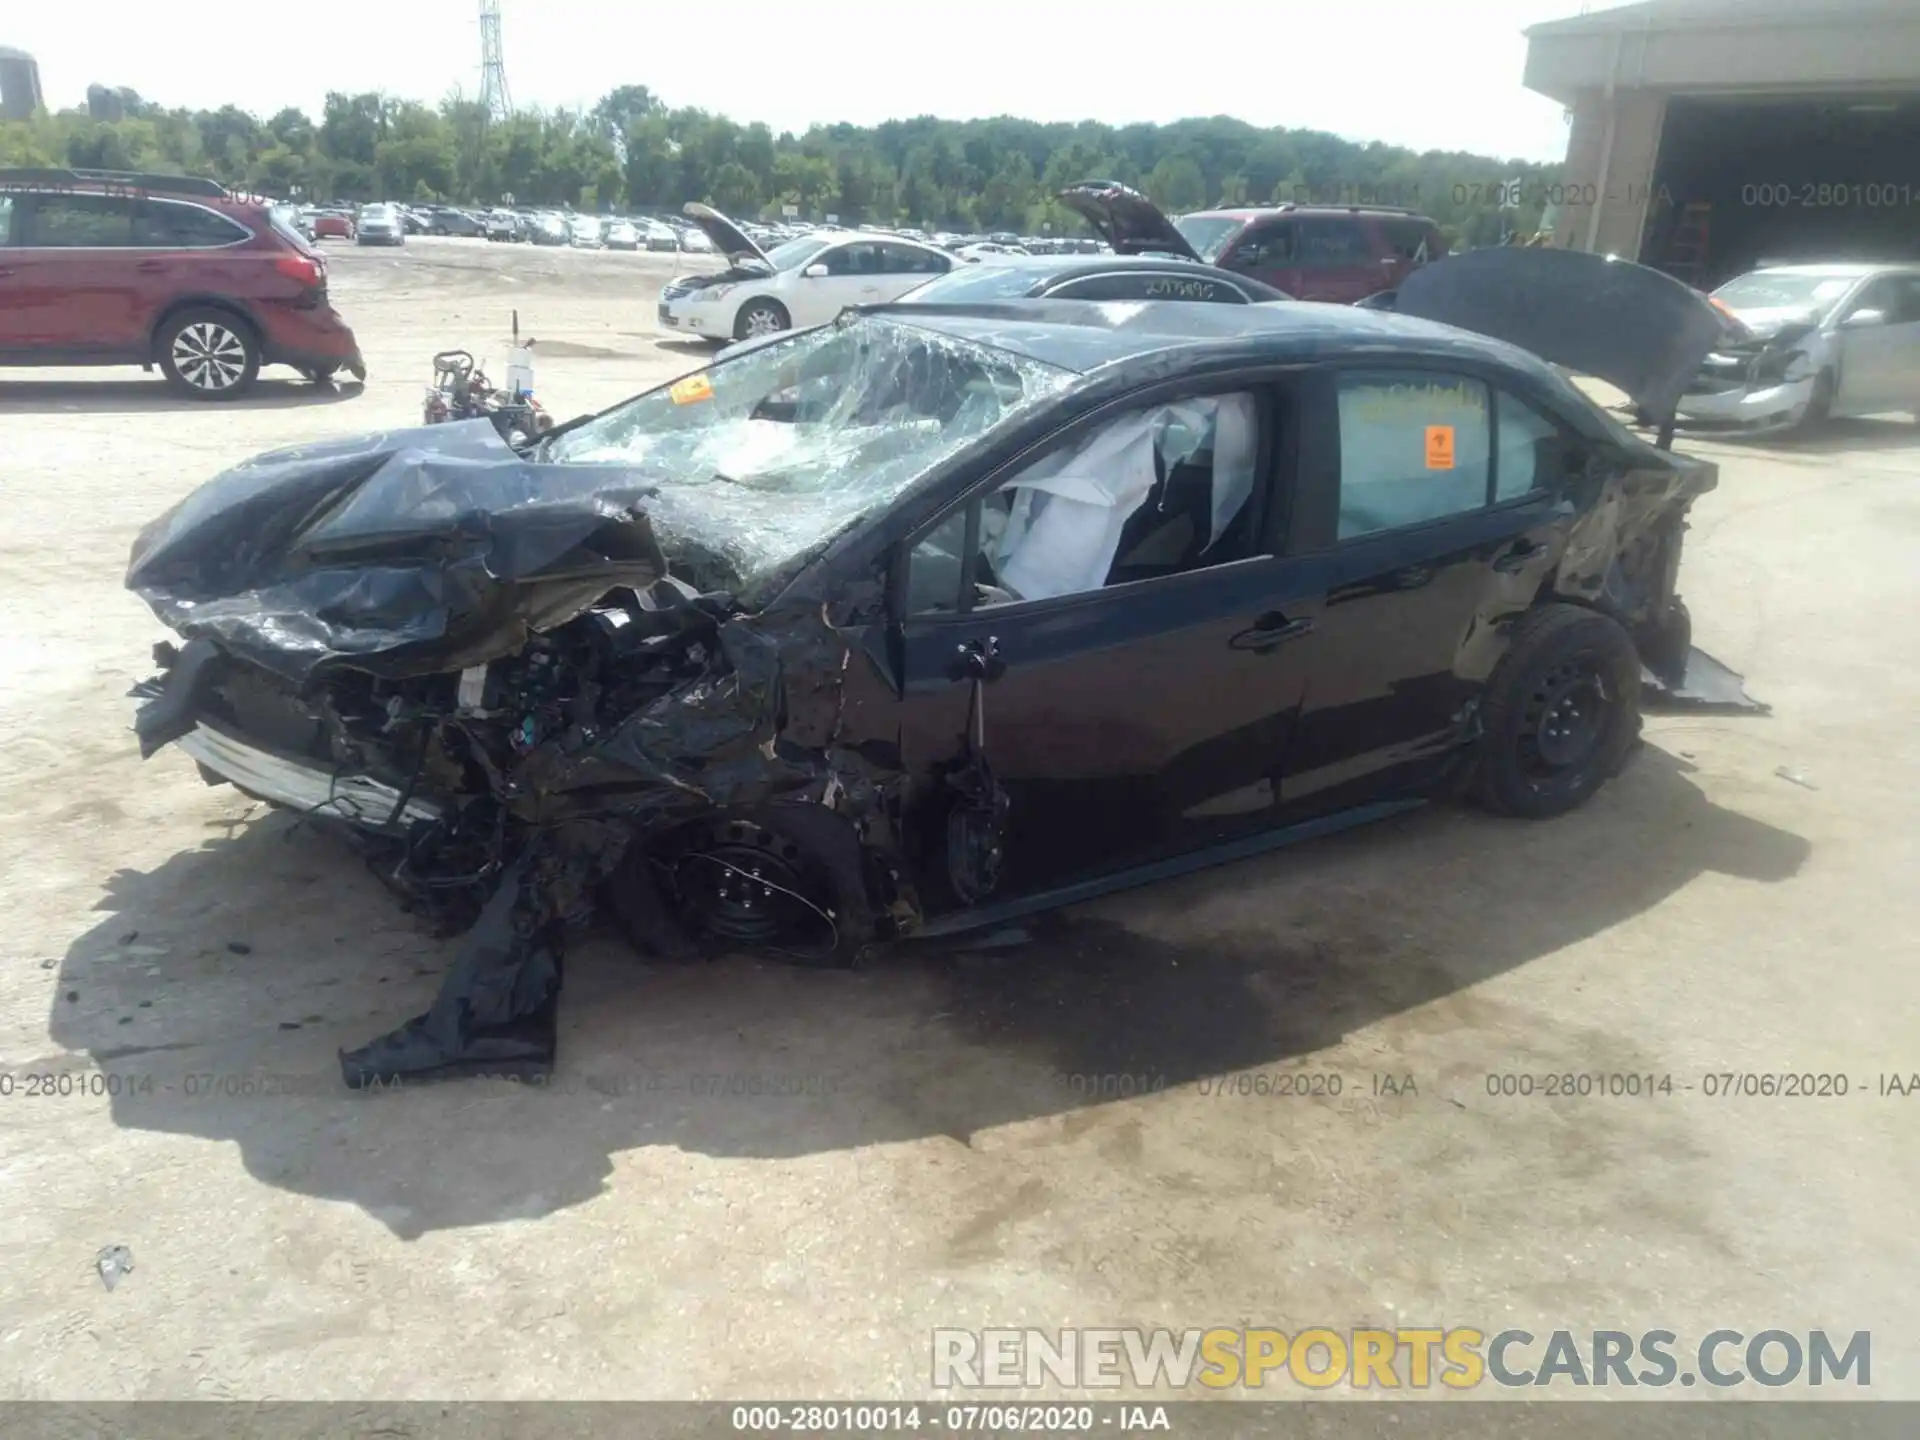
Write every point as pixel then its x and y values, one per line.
pixel 1237 257
pixel 593 232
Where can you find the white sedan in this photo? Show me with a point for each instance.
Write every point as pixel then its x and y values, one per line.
pixel 804 282
pixel 1814 342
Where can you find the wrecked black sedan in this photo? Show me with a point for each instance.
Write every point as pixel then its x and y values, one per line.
pixel 915 622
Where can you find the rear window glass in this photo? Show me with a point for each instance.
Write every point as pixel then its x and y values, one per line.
pixel 188 227
pixel 286 224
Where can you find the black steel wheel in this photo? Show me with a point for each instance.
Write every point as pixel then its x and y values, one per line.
pixel 1559 714
pixel 741 883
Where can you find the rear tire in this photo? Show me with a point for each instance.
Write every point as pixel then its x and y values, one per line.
pixel 1560 713
pixel 208 354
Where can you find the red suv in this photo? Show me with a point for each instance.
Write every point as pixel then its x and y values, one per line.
pixel 108 268
pixel 1313 252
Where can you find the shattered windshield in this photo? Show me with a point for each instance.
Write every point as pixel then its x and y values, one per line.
pixel 762 457
pixel 1774 290
pixel 1207 234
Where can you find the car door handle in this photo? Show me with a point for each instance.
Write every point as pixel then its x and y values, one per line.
pixel 4 272
pixel 1270 632
pixel 1410 577
pixel 1516 556
pixel 150 266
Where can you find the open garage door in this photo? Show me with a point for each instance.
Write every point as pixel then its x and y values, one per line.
pixel 1749 179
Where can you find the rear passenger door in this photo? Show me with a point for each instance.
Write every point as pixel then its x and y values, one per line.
pixel 852 278
pixel 184 248
pixel 1438 500
pixel 74 260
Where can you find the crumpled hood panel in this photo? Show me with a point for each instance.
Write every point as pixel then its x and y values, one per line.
pixel 402 552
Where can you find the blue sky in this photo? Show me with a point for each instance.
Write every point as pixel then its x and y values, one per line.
pixel 1410 72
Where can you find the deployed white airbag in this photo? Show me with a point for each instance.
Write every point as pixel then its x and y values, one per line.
pixel 1068 509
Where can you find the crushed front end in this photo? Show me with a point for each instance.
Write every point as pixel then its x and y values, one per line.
pixel 573 678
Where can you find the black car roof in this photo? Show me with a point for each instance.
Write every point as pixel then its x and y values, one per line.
pixel 1060 268
pixel 1082 335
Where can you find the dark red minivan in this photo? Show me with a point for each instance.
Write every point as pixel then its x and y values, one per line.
pixel 113 268
pixel 1312 252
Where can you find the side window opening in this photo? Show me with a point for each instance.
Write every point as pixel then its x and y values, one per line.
pixel 81 221
pixel 1414 447
pixel 1328 243
pixel 1159 491
pixel 1532 453
pixel 164 223
pixel 1268 248
pixel 1408 240
pixel 1907 313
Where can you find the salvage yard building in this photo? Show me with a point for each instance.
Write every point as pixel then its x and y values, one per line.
pixel 1709 136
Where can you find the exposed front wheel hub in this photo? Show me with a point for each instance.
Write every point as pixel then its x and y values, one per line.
pixel 1566 716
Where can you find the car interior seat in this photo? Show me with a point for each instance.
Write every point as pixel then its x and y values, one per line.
pixel 1197 511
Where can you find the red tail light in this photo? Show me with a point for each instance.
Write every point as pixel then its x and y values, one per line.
pixel 307 269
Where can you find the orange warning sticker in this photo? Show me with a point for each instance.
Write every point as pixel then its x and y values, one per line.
pixel 1439 447
pixel 698 387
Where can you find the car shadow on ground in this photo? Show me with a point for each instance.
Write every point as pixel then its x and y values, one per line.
pixel 692 346
pixel 219 985
pixel 153 395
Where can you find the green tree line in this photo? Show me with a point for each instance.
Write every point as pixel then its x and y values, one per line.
pixel 631 151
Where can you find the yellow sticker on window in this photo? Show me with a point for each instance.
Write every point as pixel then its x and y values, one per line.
pixel 1439 447
pixel 694 388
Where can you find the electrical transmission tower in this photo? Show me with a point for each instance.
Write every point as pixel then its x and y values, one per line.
pixel 493 64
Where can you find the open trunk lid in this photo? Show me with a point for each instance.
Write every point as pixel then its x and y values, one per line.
pixel 1127 220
